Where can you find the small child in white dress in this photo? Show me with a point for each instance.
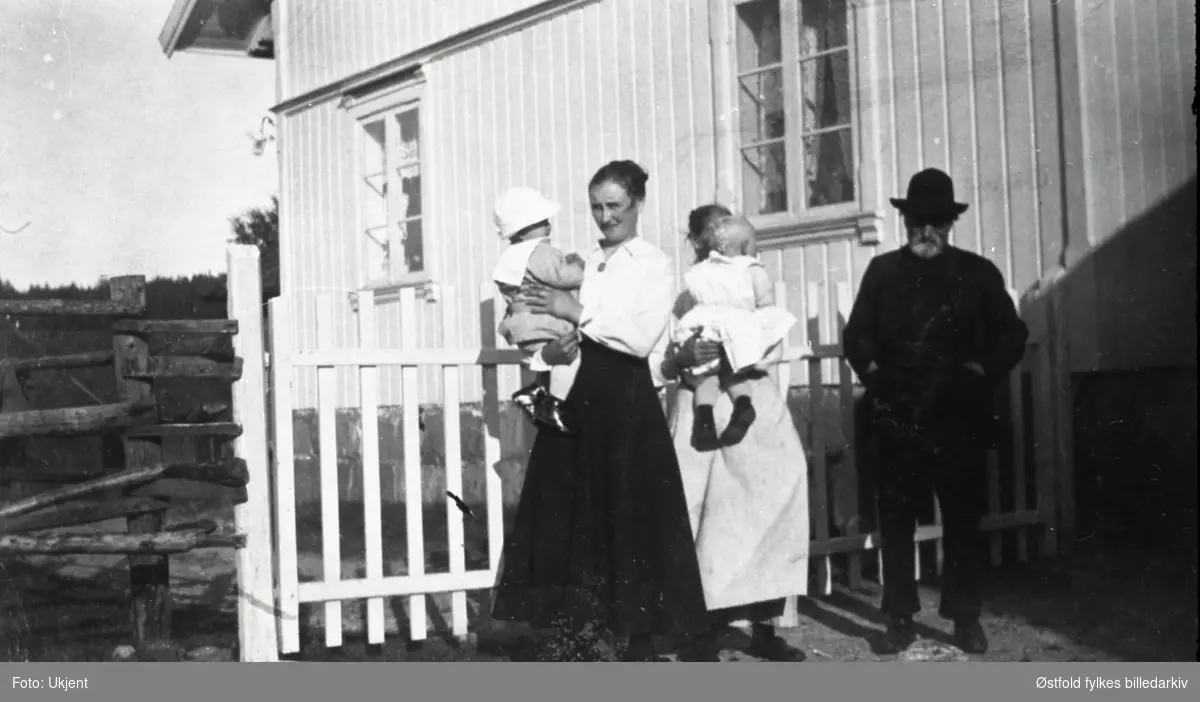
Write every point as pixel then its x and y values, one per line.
pixel 725 285
pixel 522 217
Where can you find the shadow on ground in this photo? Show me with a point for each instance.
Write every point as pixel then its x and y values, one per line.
pixel 1101 604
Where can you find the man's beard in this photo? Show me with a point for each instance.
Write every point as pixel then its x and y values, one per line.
pixel 926 246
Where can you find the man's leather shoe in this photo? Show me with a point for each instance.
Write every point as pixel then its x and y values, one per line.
pixel 970 637
pixel 901 633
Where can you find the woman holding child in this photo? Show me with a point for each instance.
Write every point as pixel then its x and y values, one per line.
pixel 602 536
pixel 748 497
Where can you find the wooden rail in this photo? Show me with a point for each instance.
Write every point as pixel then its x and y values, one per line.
pixel 143 352
pixel 89 308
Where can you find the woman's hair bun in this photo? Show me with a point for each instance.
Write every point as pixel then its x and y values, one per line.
pixel 625 173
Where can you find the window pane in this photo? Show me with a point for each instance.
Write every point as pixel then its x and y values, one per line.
pixel 409 148
pixel 410 192
pixel 374 176
pixel 823 26
pixel 413 245
pixel 759 41
pixel 829 168
pixel 373 147
pixel 764 179
pixel 825 86
pixel 761 106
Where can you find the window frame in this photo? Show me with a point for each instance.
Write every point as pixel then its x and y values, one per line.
pixel 386 104
pixel 859 218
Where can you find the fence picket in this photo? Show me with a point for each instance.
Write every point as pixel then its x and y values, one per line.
pixel 816 394
pixel 940 554
pixel 783 371
pixel 452 436
pixel 491 312
pixel 282 384
pixel 331 528
pixel 782 374
pixel 414 511
pixel 368 388
pixel 849 479
pixel 1016 390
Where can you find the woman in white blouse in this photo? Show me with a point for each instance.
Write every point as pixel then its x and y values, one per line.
pixel 602 537
pixel 749 501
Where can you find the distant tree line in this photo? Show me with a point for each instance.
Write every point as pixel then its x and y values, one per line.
pixel 196 297
pixel 200 296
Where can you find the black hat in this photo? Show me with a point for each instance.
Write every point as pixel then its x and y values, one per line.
pixel 930 194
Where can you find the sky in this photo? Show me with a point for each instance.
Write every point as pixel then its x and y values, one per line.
pixel 121 160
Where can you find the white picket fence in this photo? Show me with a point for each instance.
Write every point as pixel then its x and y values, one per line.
pixel 813 362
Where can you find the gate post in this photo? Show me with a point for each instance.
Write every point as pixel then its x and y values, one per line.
pixel 257 635
pixel 149 575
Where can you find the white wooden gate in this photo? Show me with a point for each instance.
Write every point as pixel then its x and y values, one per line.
pixel 366 359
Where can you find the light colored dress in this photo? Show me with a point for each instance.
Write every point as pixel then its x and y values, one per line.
pixel 748 502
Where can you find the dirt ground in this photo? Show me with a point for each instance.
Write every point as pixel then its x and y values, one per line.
pixel 1101 604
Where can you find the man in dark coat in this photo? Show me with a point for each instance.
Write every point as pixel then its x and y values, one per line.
pixel 931 334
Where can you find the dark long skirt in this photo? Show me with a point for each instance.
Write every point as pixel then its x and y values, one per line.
pixel 602 535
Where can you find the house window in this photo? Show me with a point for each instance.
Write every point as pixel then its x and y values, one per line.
pixel 796 89
pixel 390 190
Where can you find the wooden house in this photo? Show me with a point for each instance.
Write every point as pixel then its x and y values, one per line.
pixel 1065 124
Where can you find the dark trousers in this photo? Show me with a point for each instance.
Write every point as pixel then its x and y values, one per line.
pixel 911 469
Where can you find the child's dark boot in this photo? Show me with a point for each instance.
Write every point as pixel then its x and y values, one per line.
pixel 704 430
pixel 739 422
pixel 554 414
pixel 528 398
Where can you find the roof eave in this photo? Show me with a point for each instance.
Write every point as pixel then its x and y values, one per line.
pixel 173 38
pixel 177 19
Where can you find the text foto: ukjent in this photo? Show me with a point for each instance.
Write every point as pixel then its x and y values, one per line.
pixel 54 683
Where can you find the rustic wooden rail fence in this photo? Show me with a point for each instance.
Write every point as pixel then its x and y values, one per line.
pixel 166 453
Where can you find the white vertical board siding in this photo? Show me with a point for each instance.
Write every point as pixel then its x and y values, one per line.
pixel 958 80
pixel 961 87
pixel 547 106
pixel 1137 65
pixel 315 220
pixel 1136 77
pixel 544 107
pixel 321 247
pixel 327 40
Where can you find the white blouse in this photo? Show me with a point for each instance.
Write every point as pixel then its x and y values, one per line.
pixel 627 301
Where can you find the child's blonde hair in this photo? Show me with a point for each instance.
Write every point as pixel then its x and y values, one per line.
pixel 731 236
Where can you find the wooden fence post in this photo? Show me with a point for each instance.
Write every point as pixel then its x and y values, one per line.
pixel 149 576
pixel 257 634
